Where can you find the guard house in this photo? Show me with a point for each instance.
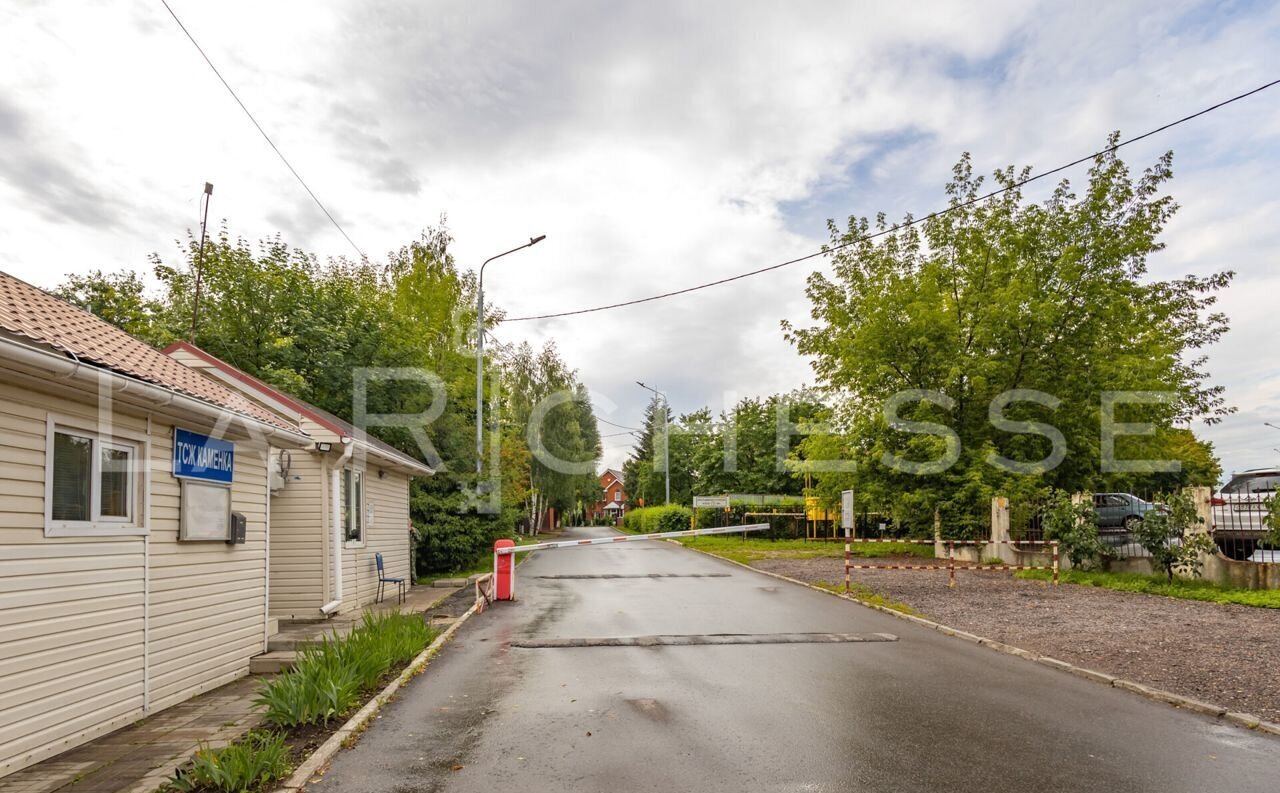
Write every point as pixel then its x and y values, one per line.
pixel 133 527
pixel 334 506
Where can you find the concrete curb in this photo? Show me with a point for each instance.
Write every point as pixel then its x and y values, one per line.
pixel 1245 720
pixel 359 722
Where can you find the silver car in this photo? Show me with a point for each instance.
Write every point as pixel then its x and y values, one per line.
pixel 1240 508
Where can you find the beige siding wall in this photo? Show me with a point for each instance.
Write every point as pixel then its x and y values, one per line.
pixel 75 612
pixel 208 599
pixel 387 533
pixel 297 539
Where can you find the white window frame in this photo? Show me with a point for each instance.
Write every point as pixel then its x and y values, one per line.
pixel 139 447
pixel 354 513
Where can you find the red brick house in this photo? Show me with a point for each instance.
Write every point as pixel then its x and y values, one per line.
pixel 613 498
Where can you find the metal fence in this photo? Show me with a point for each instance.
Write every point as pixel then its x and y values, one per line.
pixel 1241 525
pixel 1118 516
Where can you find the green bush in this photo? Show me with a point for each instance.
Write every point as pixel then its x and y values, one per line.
pixel 1172 537
pixel 250 764
pixel 329 677
pixel 649 520
pixel 1075 527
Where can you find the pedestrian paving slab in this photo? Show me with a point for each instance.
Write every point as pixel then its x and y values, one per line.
pixel 143 756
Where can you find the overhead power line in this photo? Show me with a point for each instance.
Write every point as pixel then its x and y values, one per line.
pixel 619 426
pixel 616 434
pixel 263 132
pixel 907 224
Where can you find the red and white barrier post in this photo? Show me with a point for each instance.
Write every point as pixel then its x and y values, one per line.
pixel 504 570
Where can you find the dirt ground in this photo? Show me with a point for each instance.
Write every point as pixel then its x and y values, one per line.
pixel 1223 654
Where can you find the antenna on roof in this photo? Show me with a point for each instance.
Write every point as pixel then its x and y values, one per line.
pixel 204 227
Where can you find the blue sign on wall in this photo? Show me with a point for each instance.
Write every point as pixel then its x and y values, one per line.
pixel 197 456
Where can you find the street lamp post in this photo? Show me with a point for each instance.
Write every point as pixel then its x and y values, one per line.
pixel 666 436
pixel 480 352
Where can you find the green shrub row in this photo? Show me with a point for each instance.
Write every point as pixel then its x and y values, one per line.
pixel 329 678
pixel 648 520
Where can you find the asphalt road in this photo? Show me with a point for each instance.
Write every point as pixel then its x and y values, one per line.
pixel 924 713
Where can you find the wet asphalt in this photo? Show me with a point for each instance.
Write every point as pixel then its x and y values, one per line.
pixel 924 713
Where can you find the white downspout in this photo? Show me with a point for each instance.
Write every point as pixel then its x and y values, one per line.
pixel 146 574
pixel 266 559
pixel 336 522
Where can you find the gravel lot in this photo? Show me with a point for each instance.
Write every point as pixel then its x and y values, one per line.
pixel 1224 654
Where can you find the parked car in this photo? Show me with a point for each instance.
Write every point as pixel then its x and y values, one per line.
pixel 1121 512
pixel 1240 509
pixel 1242 503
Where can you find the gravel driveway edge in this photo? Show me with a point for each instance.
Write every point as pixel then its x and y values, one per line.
pixel 1245 720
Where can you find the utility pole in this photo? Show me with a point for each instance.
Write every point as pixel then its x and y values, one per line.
pixel 204 228
pixel 666 436
pixel 480 352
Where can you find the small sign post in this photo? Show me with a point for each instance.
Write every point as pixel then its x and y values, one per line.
pixel 846 522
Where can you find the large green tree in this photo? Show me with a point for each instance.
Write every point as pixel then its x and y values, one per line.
pixel 754 447
pixel 311 328
pixel 997 317
pixel 548 407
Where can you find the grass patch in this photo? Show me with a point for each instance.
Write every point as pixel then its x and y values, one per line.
pixel 867 595
pixel 251 763
pixel 303 705
pixel 332 677
pixel 753 549
pixel 483 564
pixel 1208 591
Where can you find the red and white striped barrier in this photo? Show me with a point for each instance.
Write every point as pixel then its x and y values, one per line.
pixel 504 569
pixel 484 592
pixel 951 567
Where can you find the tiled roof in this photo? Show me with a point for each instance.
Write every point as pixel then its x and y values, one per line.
pixel 36 315
pixel 335 424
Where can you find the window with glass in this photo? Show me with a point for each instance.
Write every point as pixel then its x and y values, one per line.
pixel 353 505
pixel 93 481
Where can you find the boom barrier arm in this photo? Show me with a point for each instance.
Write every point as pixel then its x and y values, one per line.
pixel 504 569
pixel 542 546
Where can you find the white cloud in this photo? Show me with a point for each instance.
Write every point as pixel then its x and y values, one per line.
pixel 656 144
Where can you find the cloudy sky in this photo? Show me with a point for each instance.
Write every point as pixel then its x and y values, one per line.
pixel 656 144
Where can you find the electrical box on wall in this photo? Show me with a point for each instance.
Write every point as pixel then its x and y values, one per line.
pixel 237 530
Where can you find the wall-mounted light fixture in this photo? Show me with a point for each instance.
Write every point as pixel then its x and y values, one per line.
pixel 323 446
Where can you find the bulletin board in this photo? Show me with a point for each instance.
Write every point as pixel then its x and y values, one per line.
pixel 205 511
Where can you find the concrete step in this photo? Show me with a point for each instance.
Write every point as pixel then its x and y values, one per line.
pixel 272 663
pixel 291 642
pixel 449 583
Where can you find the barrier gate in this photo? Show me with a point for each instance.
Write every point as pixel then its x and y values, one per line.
pixel 951 567
pixel 501 583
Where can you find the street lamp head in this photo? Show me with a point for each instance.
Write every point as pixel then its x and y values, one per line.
pixel 537 239
pixel 642 385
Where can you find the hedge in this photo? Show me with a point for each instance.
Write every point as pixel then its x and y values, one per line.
pixel 648 520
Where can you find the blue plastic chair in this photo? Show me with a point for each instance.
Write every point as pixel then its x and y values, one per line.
pixel 383 581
